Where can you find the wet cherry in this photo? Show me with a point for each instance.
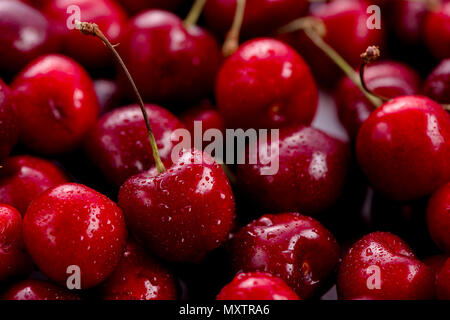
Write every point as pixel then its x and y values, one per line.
pixel 38 290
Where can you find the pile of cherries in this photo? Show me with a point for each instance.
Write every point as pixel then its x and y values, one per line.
pixel 81 187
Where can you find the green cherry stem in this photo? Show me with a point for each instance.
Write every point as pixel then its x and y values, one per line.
pixel 194 13
pixel 231 43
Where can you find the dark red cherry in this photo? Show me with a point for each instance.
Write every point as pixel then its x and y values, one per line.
pixel 437 31
pixel 404 147
pixel 139 277
pixel 136 6
pixel 24 178
pixel 9 130
pixel 387 78
pixel 118 144
pixel 437 85
pixel 90 52
pixel 257 286
pixel 182 213
pixel 56 104
pixel 266 84
pixel 438 217
pixel 38 290
pixel 74 226
pixel 108 94
pixel 296 248
pixel 443 282
pixel 383 267
pixel 312 171
pixel 169 62
pixel 207 114
pixel 436 263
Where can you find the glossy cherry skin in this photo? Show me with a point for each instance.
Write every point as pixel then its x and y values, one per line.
pixel 261 17
pixel 438 217
pixel 23 178
pixel 136 6
pixel 38 290
pixel 14 260
pixel 139 277
pixel 404 147
pixel 170 63
pixel 205 112
pixel 88 51
pixel 437 31
pixel 72 224
pixel 118 144
pixel 401 275
pixel 25 35
pixel 182 213
pixel 387 78
pixel 108 94
pixel 266 84
pixel 437 84
pixel 9 130
pixel 257 286
pixel 443 282
pixel 296 248
pixel 56 104
pixel 311 175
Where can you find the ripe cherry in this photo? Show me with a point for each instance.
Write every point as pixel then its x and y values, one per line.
pixel 38 290
pixel 136 6
pixel 437 31
pixel 296 248
pixel 108 94
pixel 266 84
pixel 73 225
pixel 438 217
pixel 24 178
pixel 205 112
pixel 443 282
pixel 381 266
pixel 257 286
pixel 9 130
pixel 436 263
pixel 437 85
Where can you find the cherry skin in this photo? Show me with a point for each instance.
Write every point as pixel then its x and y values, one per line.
pixel 404 147
pixel 108 94
pixel 13 258
pixel 296 248
pixel 401 275
pixel 438 217
pixel 437 31
pixel 136 6
pixel 205 112
pixel 261 17
pixel 311 175
pixel 90 52
pixel 56 104
pixel 266 84
pixel 182 213
pixel 38 290
pixel 257 286
pixel 9 130
pixel 139 277
pixel 23 178
pixel 118 144
pixel 443 282
pixel 169 62
pixel 436 263
pixel 73 225
pixel 387 78
pixel 437 85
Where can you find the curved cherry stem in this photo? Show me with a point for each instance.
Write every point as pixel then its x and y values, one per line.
pixel 372 54
pixel 231 43
pixel 93 30
pixel 194 13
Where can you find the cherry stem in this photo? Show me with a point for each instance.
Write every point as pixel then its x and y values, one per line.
pixel 231 43
pixel 445 106
pixel 231 176
pixel 194 13
pixel 92 29
pixel 372 54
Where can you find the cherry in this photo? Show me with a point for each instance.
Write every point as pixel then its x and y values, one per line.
pixel 296 248
pixel 108 94
pixel 437 31
pixel 107 14
pixel 382 266
pixel 182 213
pixel 170 61
pixel 206 113
pixel 403 147
pixel 257 286
pixel 266 84
pixel 9 130
pixel 13 259
pixel 443 282
pixel 387 78
pixel 24 178
pixel 311 175
pixel 56 104
pixel 438 217
pixel 437 85
pixel 73 225
pixel 37 290
pixel 136 6
pixel 118 143
pixel 436 263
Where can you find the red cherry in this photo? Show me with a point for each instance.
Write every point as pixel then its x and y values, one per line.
pixel 437 31
pixel 437 85
pixel 387 78
pixel 24 178
pixel 107 14
pixel 135 6
pixel 266 84
pixel 9 130
pixel 382 266
pixel 443 282
pixel 13 258
pixel 73 225
pixel 404 147
pixel 182 213
pixel 38 290
pixel 438 217
pixel 169 62
pixel 257 286
pixel 436 263
pixel 139 277
pixel 206 113
pixel 56 104
pixel 118 143
pixel 108 94
pixel 312 172
pixel 296 248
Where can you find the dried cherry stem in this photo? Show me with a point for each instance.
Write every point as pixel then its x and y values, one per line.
pixel 195 13
pixel 93 30
pixel 372 54
pixel 445 106
pixel 231 43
